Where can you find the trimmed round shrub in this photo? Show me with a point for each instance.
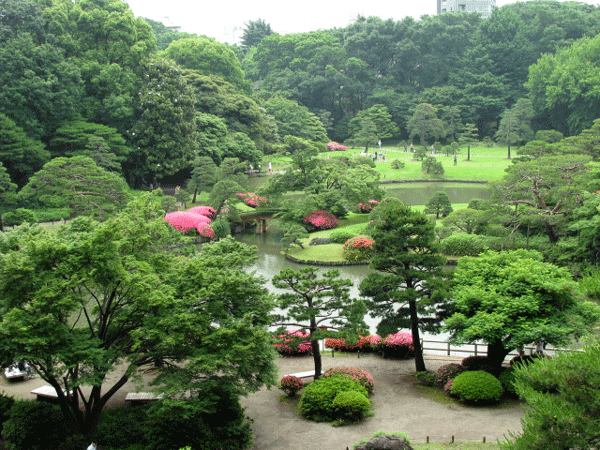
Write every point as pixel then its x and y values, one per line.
pixel 463 245
pixel 477 388
pixel 351 405
pixel 398 345
pixel 507 379
pixel 320 220
pixel 477 363
pixel 317 402
pixel 34 426
pixel 446 373
pixel 362 376
pixel 359 248
pixel 290 385
pixel 340 236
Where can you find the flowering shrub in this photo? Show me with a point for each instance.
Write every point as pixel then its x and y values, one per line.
pixel 186 221
pixel 358 248
pixel 290 385
pixel 363 344
pixel 448 387
pixel 446 373
pixel 363 377
pixel 366 208
pixel 477 363
pixel 252 200
pixel 292 343
pixel 335 147
pixel 206 211
pixel 399 345
pixel 321 220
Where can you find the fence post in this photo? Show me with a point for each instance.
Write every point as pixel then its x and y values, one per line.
pixel 448 348
pixel 475 349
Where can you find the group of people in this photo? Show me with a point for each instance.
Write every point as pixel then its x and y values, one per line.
pixel 374 155
pixel 251 168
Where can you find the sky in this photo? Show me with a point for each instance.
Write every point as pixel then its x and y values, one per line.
pixel 224 20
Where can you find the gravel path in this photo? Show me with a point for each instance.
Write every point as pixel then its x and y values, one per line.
pixel 397 402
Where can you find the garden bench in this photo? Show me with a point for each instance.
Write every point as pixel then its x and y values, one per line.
pixel 46 394
pixel 302 375
pixel 14 372
pixel 141 398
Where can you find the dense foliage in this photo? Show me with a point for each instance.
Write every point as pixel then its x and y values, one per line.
pixel 477 388
pixel 317 402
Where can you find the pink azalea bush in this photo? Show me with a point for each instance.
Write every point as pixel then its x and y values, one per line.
pixel 292 343
pixel 366 208
pixel 363 377
pixel 321 220
pixel 359 248
pixel 186 221
pixel 399 345
pixel 335 147
pixel 364 344
pixel 252 200
pixel 290 385
pixel 206 211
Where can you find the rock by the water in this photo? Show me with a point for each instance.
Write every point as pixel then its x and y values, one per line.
pixel 320 241
pixel 386 442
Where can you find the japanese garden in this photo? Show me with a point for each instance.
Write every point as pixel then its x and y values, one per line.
pixel 204 243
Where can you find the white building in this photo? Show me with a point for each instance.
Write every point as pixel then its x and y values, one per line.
pixel 485 7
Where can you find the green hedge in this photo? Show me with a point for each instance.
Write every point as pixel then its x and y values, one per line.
pixel 477 388
pixel 317 403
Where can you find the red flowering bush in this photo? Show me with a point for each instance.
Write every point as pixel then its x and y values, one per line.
pixel 186 221
pixel 446 373
pixel 359 248
pixel 252 200
pixel 363 344
pixel 363 377
pixel 366 208
pixel 399 345
pixel 206 211
pixel 335 147
pixel 293 343
pixel 290 385
pixel 321 220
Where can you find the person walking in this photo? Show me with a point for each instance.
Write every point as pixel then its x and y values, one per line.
pixel 270 167
pixel 93 446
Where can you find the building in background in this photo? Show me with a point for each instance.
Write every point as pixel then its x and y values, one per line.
pixel 485 7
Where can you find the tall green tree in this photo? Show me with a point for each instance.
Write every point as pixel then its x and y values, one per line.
pixel 512 299
pixel 164 135
pixel 254 32
pixel 425 124
pixel 377 117
pixel 78 304
pixel 313 301
pixel 515 125
pixel 8 194
pixel 438 204
pixel 204 175
pixel 21 155
pixel 403 291
pixel 295 120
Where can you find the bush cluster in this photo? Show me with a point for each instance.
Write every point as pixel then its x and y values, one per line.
pixel 477 363
pixel 446 373
pixel 463 245
pixel 363 377
pixel 351 406
pixel 335 147
pixel 291 385
pixel 317 403
pixel 340 236
pixel 477 388
pixel 398 345
pixel 507 379
pixel 320 220
pixel 252 200
pixel 359 248
pixel 365 344
pixel 293 343
pixel 366 208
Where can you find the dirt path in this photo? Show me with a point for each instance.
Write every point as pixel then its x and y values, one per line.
pixel 397 402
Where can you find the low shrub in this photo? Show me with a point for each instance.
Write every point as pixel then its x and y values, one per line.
pixel 397 164
pixel 320 220
pixel 366 208
pixel 477 363
pixel 363 377
pixel 527 359
pixel 507 379
pixel 34 426
pixel 477 388
pixel 252 200
pixel 291 385
pixel 215 420
pixel 293 343
pixel 399 345
pixel 317 402
pixel 358 248
pixel 463 244
pixel 447 372
pixel 6 403
pixel 448 387
pixel 351 406
pixel 426 378
pixel 341 236
pixel 123 427
pixel 51 214
pixel 221 228
pixel 364 344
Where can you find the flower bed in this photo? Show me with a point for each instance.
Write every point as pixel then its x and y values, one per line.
pixel 335 147
pixel 293 343
pixel 363 377
pixel 321 220
pixel 399 345
pixel 252 200
pixel 359 248
pixel 364 344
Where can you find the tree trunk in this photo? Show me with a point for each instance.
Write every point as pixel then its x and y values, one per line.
pixel 496 354
pixel 317 358
pixel 414 321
